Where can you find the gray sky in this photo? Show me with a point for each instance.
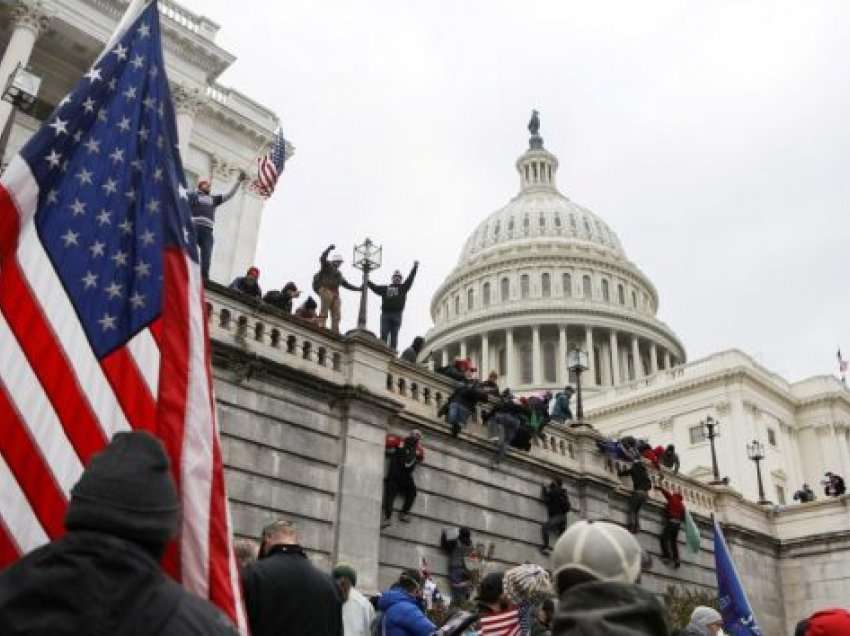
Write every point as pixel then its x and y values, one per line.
pixel 712 137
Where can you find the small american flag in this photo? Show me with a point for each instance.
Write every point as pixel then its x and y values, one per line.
pixel 97 255
pixel 502 624
pixel 270 166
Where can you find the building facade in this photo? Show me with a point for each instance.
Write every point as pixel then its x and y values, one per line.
pixel 221 131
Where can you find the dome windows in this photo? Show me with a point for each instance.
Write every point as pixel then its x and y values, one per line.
pixel 605 294
pixel 485 294
pixel 526 223
pixel 457 304
pixel 546 285
pixel 470 299
pixel 621 295
pixel 505 290
pixel 567 285
pixel 557 220
pixel 586 287
pixel 587 228
pixel 496 229
pixel 634 299
pixel 524 286
pixel 542 221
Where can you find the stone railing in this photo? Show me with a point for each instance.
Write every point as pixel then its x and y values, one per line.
pixel 193 22
pixel 820 517
pixel 239 104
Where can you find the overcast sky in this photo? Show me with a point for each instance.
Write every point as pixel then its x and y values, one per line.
pixel 713 137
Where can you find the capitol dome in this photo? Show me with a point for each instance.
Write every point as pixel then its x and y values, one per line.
pixel 540 276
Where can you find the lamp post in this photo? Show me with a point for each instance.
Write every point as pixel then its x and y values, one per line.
pixel 711 429
pixel 755 451
pixel 577 362
pixel 20 91
pixel 367 257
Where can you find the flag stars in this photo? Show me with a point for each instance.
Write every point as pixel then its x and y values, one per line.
pixel 78 136
pixel 104 217
pixel 120 52
pixel 130 194
pixel 138 62
pixel 149 102
pixel 144 30
pixel 137 300
pixel 130 93
pixel 119 258
pixel 153 206
pixel 93 146
pixel 88 105
pixel 138 164
pixel 153 71
pixel 84 176
pixel 144 133
pixel 117 155
pixel 54 158
pixel 89 280
pixel 65 100
pixel 107 322
pixel 78 207
pixel 124 124
pixel 126 227
pixel 93 75
pixel 113 290
pixel 71 238
pixel 52 197
pixel 96 248
pixel 148 237
pixel 160 142
pixel 142 269
pixel 157 175
pixel 110 187
pixel 102 114
pixel 112 84
pixel 183 192
pixel 60 126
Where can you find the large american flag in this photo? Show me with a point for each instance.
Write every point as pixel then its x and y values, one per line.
pixel 270 166
pixel 102 321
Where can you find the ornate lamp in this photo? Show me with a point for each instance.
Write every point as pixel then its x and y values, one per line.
pixel 367 258
pixel 711 429
pixel 577 362
pixel 755 451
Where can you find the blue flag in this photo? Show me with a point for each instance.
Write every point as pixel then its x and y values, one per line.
pixel 738 619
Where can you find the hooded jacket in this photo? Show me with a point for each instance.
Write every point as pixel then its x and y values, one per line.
pixel 402 615
pixel 394 297
pixel 606 608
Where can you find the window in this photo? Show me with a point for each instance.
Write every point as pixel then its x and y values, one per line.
pixel 525 365
pixel 485 294
pixel 771 437
pixel 697 434
pixel 550 372
pixel 470 299
pixel 502 365
pixel 557 220
pixel 457 305
pixel 585 286
pixel 446 309
pixel 525 224
pixel 524 286
pixel 567 285
pixel 496 229
pixel 634 300
pixel 605 296
pixel 621 294
pixel 542 221
pixel 546 285
pixel 505 290
pixel 511 225
pixel 780 495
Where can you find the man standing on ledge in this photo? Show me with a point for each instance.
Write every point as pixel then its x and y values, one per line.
pixel 326 283
pixel 203 205
pixel 393 297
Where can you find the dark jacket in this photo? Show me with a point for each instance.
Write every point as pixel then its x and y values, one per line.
pixel 242 284
pixel 286 594
pixel 203 205
pixel 279 299
pixel 89 582
pixel 402 615
pixel 557 500
pixel 393 297
pixel 670 459
pixel 410 355
pixel 609 609
pixel 640 476
pixel 330 277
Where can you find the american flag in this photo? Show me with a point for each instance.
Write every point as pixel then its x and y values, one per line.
pixel 501 624
pixel 270 166
pixel 842 363
pixel 97 254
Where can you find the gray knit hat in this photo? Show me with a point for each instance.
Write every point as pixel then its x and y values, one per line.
pixel 595 551
pixel 705 616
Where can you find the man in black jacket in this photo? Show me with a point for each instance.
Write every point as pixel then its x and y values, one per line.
pixel 642 484
pixel 104 575
pixel 283 299
pixel 285 593
pixel 393 298
pixel 557 506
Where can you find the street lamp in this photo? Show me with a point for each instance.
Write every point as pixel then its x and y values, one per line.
pixel 755 451
pixel 21 91
pixel 711 429
pixel 367 257
pixel 577 362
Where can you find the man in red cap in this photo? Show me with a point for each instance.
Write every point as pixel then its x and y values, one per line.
pixel 249 283
pixel 203 205
pixel 831 622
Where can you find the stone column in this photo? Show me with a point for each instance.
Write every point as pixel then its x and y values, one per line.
pixel 188 102
pixel 445 357
pixel 638 364
pixel 536 369
pixel 510 374
pixel 668 360
pixel 223 268
pixel 463 348
pixel 653 358
pixel 29 19
pixel 615 359
pixel 485 356
pixel 591 359
pixel 562 373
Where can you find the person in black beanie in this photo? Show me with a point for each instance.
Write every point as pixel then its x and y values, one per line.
pixel 104 574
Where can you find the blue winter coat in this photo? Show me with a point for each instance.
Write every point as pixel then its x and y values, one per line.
pixel 402 615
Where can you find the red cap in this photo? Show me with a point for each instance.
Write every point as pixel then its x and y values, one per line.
pixel 203 182
pixel 831 622
pixel 254 269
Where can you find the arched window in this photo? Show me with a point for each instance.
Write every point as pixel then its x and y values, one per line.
pixel 524 286
pixel 446 310
pixel 497 228
pixel 485 294
pixel 546 285
pixel 557 220
pixel 587 227
pixel 457 305
pixel 586 288
pixel 621 294
pixel 505 291
pixel 550 371
pixel 567 285
pixel 511 225
pixel 525 364
pixel 542 220
pixel 634 299
pixel 470 299
pixel 525 224
pixel 605 295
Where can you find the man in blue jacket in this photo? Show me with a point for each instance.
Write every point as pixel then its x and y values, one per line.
pixel 401 608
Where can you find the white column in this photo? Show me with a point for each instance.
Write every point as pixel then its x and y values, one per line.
pixel 653 358
pixel 29 20
pixel 188 102
pixel 485 356
pixel 445 357
pixel 562 373
pixel 638 364
pixel 510 374
pixel 536 368
pixel 591 359
pixel 615 359
pixel 668 363
pixel 463 348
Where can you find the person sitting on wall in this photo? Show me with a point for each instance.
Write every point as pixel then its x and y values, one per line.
pixel 560 410
pixel 411 354
pixel 404 455
pixel 283 299
pixel 307 311
pixel 503 423
pixel 834 485
pixel 249 284
pixel 805 494
pixel 461 403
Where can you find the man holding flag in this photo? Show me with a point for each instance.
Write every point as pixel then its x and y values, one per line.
pixel 97 255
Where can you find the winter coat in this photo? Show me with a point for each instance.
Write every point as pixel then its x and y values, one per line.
pixel 330 277
pixel 557 500
pixel 402 615
pixel 675 505
pixel 393 297
pixel 452 372
pixel 286 594
pixel 410 355
pixel 640 476
pixel 561 410
pixel 403 456
pixel 90 581
pixel 203 205
pixel 609 609
pixel 242 284
pixel 279 299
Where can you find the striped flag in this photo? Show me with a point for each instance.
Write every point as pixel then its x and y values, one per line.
pixel 501 624
pixel 270 166
pixel 97 255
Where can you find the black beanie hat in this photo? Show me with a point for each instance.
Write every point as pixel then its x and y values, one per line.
pixel 127 490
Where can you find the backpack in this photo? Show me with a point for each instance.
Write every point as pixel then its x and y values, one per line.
pixel 317 278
